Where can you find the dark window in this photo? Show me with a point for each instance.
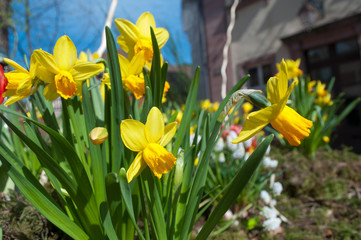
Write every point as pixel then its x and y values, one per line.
pixel 347 47
pixel 253 80
pixel 318 54
pixel 267 72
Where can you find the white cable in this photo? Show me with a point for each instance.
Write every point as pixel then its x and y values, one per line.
pixel 108 22
pixel 226 47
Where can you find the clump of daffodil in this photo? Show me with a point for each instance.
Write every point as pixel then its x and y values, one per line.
pixel 68 74
pixel 21 82
pixel 284 119
pixel 136 38
pixel 209 106
pixel 323 96
pixel 84 57
pixel 149 140
pixel 292 68
pixel 310 85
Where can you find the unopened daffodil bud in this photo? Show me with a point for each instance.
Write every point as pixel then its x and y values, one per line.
pixel 98 135
pixel 326 139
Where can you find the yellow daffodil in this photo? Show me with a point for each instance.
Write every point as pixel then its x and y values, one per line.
pixel 137 38
pixel 206 104
pixel 247 107
pixel 310 86
pixel 67 74
pixel 84 57
pixel 292 68
pixel 284 119
pixel 326 139
pixel 22 83
pixel 320 89
pixel 149 141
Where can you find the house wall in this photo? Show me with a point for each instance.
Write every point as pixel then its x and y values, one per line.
pixel 258 32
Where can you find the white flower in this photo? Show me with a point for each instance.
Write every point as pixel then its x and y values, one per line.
pixel 277 188
pixel 268 212
pixel 268 162
pixel 248 143
pixel 219 145
pixel 231 146
pixel 273 202
pixel 228 215
pixel 239 152
pixel 192 138
pixel 272 224
pixel 266 198
pixel 221 158
pixel 43 179
pixel 246 156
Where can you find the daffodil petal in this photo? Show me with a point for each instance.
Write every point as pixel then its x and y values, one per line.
pixel 137 63
pixel 24 87
pixel 83 57
pixel 124 65
pixel 50 92
pixel 123 43
pixel 162 36
pixel 46 60
pixel 154 127
pixel 282 103
pixel 277 86
pixel 133 135
pixel 127 29
pixel 169 132
pixel 43 73
pixel 16 66
pixel 15 78
pixel 144 22
pixel 33 65
pixel 85 70
pixel 13 99
pixel 254 123
pixel 136 167
pixel 65 53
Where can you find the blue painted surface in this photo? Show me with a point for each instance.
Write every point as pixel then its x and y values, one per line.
pixel 83 21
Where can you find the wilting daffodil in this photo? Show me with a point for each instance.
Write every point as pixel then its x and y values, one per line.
pixel 137 38
pixel 284 119
pixel 149 141
pixel 21 82
pixel 67 74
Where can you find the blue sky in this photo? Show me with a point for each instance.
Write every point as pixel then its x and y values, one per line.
pixel 83 21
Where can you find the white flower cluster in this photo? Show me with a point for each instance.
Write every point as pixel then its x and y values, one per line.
pixel 267 161
pixel 273 220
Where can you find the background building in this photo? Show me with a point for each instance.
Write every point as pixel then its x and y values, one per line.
pixel 325 34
